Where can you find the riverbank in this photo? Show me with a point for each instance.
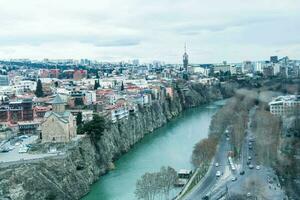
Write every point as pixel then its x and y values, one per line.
pixel 71 176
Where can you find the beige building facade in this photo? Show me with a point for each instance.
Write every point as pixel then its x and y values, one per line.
pixel 58 125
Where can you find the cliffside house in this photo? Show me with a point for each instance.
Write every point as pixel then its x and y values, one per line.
pixel 59 125
pixel 118 111
pixel 15 111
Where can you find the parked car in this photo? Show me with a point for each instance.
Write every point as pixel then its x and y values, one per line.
pixel 270 181
pixel 257 167
pixel 218 174
pixel 4 150
pixel 17 144
pixel 23 149
pixel 251 166
pixel 205 197
pixel 249 158
pixel 217 164
pixel 10 148
pixel 22 137
pixel 242 172
pixel 233 179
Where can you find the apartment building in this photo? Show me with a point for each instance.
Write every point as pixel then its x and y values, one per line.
pixel 284 105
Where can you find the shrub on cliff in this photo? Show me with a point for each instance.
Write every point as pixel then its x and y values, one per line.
pixel 95 127
pixel 79 119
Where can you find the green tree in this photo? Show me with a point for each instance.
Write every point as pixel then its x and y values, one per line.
pixel 39 89
pixel 122 86
pixel 97 84
pixel 79 119
pixel 78 101
pixel 95 127
pixel 185 76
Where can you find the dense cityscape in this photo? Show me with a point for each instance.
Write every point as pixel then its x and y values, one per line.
pixel 149 100
pixel 45 104
pixel 113 89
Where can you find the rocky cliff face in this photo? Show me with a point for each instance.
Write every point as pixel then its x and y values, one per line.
pixel 70 176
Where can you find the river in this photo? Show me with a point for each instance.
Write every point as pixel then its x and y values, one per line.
pixel 170 145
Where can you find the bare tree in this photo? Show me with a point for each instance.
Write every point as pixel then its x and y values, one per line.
pixel 151 185
pixel 167 179
pixel 146 187
pixel 267 131
pixel 204 151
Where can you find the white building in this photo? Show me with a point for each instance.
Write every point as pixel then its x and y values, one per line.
pixel 22 86
pixel 258 67
pixel 208 81
pixel 90 97
pixel 7 90
pixel 142 83
pixel 283 105
pixel 201 70
pixel 276 68
pixel 118 112
pixel 233 69
pixel 63 91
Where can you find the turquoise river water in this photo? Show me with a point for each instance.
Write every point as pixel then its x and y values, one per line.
pixel 170 145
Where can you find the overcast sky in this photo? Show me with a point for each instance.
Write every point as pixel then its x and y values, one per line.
pixel 116 30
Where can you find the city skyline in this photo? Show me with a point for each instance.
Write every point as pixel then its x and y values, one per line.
pixel 111 31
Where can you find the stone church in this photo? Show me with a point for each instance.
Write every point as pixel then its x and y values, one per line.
pixel 59 125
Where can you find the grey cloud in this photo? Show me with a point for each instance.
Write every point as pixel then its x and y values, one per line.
pixel 152 29
pixel 36 40
pixel 118 42
pixel 195 28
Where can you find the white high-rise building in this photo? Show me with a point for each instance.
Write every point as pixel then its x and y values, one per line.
pixel 276 68
pixel 258 67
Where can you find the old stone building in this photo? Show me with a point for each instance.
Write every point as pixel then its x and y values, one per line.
pixel 59 125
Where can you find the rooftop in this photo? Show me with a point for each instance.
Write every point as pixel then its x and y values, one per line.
pixel 57 100
pixel 287 98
